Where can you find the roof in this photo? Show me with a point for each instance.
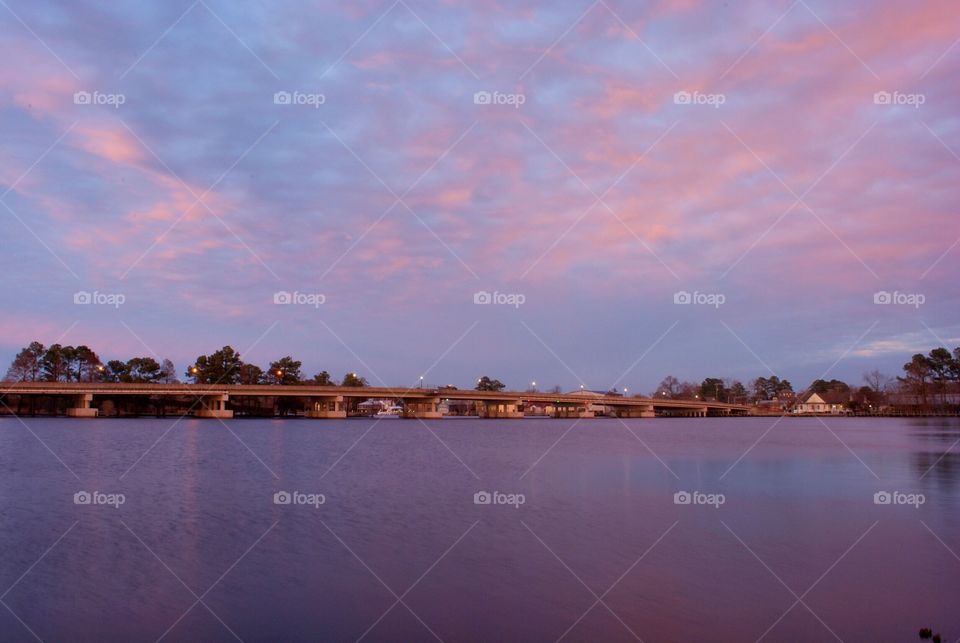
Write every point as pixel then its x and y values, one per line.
pixel 827 397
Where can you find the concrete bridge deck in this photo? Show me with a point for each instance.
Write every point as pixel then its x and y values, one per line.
pixel 211 400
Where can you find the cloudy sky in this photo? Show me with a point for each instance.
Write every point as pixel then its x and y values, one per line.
pixel 581 162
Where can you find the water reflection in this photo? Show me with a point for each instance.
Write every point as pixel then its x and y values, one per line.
pixel 938 462
pixel 799 501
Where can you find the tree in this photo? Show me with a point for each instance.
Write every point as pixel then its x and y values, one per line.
pixel 221 367
pixel 955 365
pixel 769 388
pixel 688 391
pixel 323 379
pixel 877 383
pixel 834 386
pixel 738 392
pixel 83 365
pixel 115 371
pixel 27 366
pixel 487 384
pixel 784 387
pixel 940 361
pixel 352 379
pixel 142 370
pixel 669 387
pixel 916 377
pixel 168 373
pixel 251 374
pixel 55 363
pixel 760 387
pixel 285 370
pixel 713 388
pixel 867 397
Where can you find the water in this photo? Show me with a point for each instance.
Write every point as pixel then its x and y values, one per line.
pixel 399 521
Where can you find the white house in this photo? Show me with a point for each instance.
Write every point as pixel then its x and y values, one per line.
pixel 830 402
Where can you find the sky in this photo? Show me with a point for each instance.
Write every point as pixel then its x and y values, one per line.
pixel 572 193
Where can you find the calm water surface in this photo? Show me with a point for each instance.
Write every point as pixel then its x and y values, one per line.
pixel 199 551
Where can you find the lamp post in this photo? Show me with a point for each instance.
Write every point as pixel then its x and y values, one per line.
pixel 420 385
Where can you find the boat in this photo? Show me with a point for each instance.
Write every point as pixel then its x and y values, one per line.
pixel 392 411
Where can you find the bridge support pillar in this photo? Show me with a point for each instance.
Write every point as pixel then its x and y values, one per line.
pixel 424 409
pixel 637 412
pixel 327 407
pixel 572 411
pixel 500 410
pixel 214 406
pixel 81 407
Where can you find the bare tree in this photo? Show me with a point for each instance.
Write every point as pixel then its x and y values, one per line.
pixel 669 387
pixel 877 381
pixel 688 391
pixel 27 366
pixel 168 373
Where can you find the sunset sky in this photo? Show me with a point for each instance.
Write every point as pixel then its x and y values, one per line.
pixel 588 186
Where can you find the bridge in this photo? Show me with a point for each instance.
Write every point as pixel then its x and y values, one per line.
pixel 211 400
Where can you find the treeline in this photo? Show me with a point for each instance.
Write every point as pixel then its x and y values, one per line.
pixel 724 390
pixel 225 367
pixel 929 379
pixel 58 363
pixel 932 377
